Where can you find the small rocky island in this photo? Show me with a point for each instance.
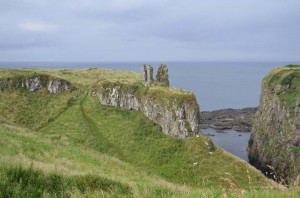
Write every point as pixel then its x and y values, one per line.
pixel 225 119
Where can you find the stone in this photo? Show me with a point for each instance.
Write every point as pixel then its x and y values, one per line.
pixel 162 75
pixel 150 74
pixel 58 85
pixel 34 84
pixel 147 75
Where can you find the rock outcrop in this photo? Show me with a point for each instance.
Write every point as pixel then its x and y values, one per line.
pixel 275 140
pixel 36 83
pixel 176 111
pixel 224 119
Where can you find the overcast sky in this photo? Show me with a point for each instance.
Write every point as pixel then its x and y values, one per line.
pixel 149 30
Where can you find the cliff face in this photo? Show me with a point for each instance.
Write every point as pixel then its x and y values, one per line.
pixel 177 112
pixel 275 140
pixel 35 83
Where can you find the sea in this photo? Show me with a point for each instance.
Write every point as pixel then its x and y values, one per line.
pixel 216 85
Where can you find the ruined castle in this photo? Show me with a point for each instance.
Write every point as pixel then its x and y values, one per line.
pixel 162 76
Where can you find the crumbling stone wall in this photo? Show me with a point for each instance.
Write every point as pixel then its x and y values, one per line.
pixel 147 75
pixel 162 76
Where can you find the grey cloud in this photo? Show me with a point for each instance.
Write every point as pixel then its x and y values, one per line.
pixel 19 41
pixel 118 30
pixel 12 37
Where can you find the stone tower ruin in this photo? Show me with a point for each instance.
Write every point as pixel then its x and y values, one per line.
pixel 162 76
pixel 147 75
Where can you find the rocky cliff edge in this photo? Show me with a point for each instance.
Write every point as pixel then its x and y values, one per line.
pixel 176 111
pixel 275 140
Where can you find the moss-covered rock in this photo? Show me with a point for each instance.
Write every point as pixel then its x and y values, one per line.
pixel 35 82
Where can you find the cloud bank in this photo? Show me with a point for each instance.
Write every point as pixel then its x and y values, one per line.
pixel 140 30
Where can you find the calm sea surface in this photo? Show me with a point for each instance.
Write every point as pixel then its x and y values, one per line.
pixel 217 85
pixel 232 141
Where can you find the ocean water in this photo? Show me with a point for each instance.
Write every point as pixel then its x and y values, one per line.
pixel 232 141
pixel 217 85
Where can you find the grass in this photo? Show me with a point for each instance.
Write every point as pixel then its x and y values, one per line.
pixel 288 78
pixel 79 78
pixel 17 181
pixel 170 158
pixel 84 149
pixel 33 109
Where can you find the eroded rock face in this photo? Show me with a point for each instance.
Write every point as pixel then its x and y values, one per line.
pixel 58 85
pixel 33 84
pixel 296 125
pixel 274 144
pixel 178 119
pixel 36 83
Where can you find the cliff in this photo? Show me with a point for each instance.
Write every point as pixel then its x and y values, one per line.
pixel 176 111
pixel 275 140
pixel 35 82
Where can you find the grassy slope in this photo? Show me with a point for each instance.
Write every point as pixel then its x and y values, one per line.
pixel 89 149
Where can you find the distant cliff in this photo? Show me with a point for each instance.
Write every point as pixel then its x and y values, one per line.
pixel 35 82
pixel 275 140
pixel 176 111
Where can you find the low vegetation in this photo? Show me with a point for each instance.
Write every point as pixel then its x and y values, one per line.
pixel 68 145
pixel 288 78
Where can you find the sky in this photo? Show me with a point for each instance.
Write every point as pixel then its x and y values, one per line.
pixel 149 30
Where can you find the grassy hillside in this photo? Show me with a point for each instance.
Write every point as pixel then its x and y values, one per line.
pixel 68 145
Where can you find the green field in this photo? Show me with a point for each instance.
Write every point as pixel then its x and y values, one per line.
pixel 68 145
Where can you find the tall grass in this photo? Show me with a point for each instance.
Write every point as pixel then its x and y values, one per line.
pixel 17 181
